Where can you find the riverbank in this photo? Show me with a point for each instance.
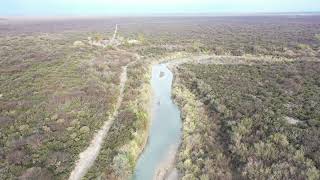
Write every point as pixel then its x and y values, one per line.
pixel 197 140
pixel 246 122
pixel 128 134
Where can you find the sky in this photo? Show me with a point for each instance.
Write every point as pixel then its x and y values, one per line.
pixel 143 7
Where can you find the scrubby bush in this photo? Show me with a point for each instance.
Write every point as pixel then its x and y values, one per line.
pixel 317 36
pixel 255 134
pixel 54 97
pixel 201 154
pixel 127 136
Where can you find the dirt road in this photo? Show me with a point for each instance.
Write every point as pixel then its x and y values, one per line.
pixel 87 157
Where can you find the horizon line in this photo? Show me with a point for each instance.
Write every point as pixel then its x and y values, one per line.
pixel 194 14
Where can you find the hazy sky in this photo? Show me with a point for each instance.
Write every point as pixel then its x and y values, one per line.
pixel 107 7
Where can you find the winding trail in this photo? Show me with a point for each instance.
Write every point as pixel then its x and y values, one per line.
pixel 87 157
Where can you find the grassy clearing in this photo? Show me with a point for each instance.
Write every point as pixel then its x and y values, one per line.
pixel 53 97
pixel 251 104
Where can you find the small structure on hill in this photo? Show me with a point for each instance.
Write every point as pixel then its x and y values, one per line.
pixel 115 41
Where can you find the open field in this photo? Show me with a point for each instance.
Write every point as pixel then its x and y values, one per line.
pixel 247 87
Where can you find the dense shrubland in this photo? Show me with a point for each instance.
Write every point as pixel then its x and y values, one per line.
pixel 127 136
pixel 280 36
pixel 289 36
pixel 53 98
pixel 200 154
pixel 252 105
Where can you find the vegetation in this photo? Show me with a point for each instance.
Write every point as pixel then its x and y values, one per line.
pixel 317 36
pixel 259 36
pixel 200 154
pixel 53 98
pixel 252 121
pixel 128 134
pixel 253 104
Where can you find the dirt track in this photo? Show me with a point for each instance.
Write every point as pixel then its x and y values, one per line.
pixel 87 157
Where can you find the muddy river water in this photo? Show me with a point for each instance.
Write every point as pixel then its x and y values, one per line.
pixel 165 130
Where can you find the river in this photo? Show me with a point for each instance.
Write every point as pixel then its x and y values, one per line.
pixel 165 131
